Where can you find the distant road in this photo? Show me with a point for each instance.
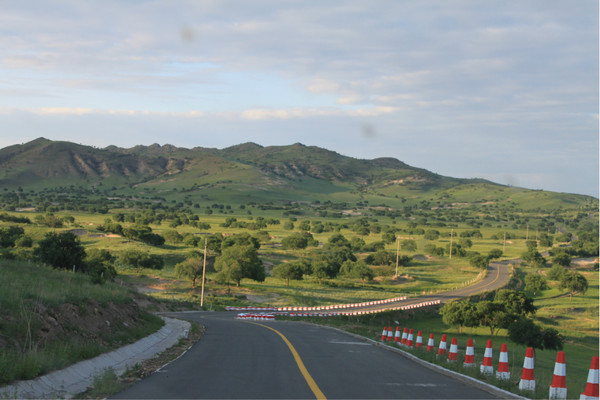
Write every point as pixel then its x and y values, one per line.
pixel 497 277
pixel 290 360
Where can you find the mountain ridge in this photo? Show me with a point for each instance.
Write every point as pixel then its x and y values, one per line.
pixel 247 170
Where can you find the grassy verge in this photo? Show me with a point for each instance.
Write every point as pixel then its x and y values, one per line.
pixel 51 319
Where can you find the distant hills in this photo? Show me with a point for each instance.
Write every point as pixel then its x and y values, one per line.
pixel 250 172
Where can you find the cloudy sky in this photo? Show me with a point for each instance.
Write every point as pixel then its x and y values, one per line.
pixel 503 90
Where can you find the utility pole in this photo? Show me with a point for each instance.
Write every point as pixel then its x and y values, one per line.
pixel 527 236
pixel 504 244
pixel 451 234
pixel 203 274
pixel 397 252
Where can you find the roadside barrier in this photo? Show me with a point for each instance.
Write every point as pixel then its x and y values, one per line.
pixel 442 347
pixel 409 340
pixel 256 317
pixel 419 343
pixel 558 388
pixel 430 343
pixel 469 354
pixel 453 354
pixel 527 381
pixel 487 366
pixel 503 373
pixel 397 338
pixel 591 388
pixel 311 311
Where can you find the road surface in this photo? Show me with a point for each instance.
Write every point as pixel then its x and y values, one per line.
pixel 289 360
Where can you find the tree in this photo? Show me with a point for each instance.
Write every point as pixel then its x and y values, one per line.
pixel 408 245
pixel 321 270
pixel 60 250
pixel 534 258
pixel 287 271
pixel 535 283
pixel 562 259
pixel 241 239
pixel 524 331
pixel 239 261
pixel 139 260
pixel 297 240
pixel 98 265
pixel 432 234
pixel 479 261
pixel 556 272
pixel 465 242
pixel 356 269
pixel 461 313
pixel 494 254
pixel 515 303
pixel 388 237
pixel 574 282
pixel 190 268
pixel 493 315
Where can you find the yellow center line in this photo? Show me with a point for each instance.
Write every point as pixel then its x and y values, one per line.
pixel 311 382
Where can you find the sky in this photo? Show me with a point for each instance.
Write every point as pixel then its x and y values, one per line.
pixel 495 89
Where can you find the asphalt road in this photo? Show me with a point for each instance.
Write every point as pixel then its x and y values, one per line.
pixel 242 359
pixel 497 277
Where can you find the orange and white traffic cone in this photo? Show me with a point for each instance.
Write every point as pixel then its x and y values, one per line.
pixel 503 373
pixel 390 334
pixel 558 388
pixel 409 340
pixel 469 354
pixel 398 335
pixel 404 336
pixel 442 347
pixel 487 367
pixel 384 334
pixel 430 343
pixel 419 343
pixel 591 388
pixel 453 354
pixel 527 381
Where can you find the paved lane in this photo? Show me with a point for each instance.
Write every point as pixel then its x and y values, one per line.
pixel 241 359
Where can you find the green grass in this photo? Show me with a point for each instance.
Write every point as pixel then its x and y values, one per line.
pixel 28 293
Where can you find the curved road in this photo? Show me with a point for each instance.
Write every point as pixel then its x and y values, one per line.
pixel 283 360
pixel 497 277
pixel 242 359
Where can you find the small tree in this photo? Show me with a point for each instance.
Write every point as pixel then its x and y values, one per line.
pixel 459 312
pixel 494 254
pixel 288 271
pixel 534 258
pixel 60 250
pixel 408 245
pixel 238 262
pixel 524 331
pixel 515 303
pixel 535 283
pixel 574 282
pixel 479 261
pixel 190 269
pixel 493 315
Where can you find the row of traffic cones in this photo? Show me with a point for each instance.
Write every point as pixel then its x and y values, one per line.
pixel 558 388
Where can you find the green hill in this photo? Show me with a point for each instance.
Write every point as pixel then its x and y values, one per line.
pixel 250 172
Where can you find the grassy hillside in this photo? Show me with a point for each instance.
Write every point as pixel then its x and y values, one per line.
pixel 249 173
pixel 51 319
